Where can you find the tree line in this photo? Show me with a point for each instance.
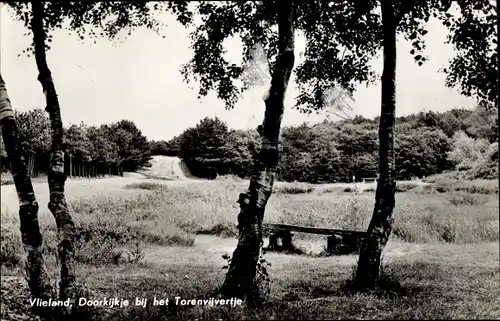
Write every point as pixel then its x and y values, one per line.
pixel 119 146
pixel 426 143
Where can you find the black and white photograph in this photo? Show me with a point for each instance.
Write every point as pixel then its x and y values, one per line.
pixel 249 160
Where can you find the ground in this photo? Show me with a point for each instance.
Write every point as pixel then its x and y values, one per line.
pixel 442 261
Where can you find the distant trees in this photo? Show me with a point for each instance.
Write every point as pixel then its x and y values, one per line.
pixel 120 143
pixel 133 148
pixel 166 148
pixel 242 146
pixel 203 148
pixel 425 144
pixel 421 152
pixel 210 149
pixel 35 138
pixel 474 157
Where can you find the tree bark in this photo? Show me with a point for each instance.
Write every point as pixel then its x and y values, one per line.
pixel 56 175
pixel 381 223
pixel 241 279
pixel 71 166
pixel 38 280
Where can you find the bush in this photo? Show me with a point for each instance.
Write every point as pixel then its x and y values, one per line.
pixel 293 189
pixel 402 187
pixel 221 230
pixel 146 185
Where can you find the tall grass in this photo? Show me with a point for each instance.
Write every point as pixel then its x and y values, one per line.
pixel 444 185
pixel 168 215
pixel 456 217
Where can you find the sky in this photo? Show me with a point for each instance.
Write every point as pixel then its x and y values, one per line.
pixel 139 79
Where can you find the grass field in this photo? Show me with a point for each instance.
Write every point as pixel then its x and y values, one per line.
pixel 146 238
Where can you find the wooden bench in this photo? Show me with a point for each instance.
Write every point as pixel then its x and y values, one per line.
pixel 338 241
pixel 370 180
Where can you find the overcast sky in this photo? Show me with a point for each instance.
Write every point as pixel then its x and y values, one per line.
pixel 139 79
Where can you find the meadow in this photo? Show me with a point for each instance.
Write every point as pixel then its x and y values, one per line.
pixel 155 238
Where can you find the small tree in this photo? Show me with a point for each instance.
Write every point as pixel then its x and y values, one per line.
pixel 133 148
pixel 421 152
pixel 467 151
pixel 204 148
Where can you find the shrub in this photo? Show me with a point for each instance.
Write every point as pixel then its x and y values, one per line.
pixel 402 187
pixel 293 190
pixel 11 248
pixel 146 185
pixel 220 229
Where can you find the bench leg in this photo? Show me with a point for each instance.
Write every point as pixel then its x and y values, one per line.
pixel 332 243
pixel 273 242
pixel 286 239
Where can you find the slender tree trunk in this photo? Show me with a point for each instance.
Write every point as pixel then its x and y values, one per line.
pixel 381 222
pixel 71 166
pixel 56 175
pixel 38 280
pixel 241 279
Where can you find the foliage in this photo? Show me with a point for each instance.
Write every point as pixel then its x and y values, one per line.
pixel 474 35
pixel 341 38
pixel 34 130
pixel 167 148
pixel 421 152
pixel 204 148
pixel 243 146
pixel 253 23
pixel 133 147
pixel 467 151
pixel 335 151
pixel 78 143
pixel 476 158
pixel 96 19
pixel 118 143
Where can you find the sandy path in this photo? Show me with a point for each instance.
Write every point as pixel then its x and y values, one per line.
pixel 167 167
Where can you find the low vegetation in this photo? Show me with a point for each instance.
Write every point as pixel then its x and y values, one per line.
pixel 457 224
pixel 451 212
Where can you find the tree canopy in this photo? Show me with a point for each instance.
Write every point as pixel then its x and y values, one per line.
pixel 426 143
pixel 341 39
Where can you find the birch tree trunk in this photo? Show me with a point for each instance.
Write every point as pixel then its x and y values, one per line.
pixel 56 175
pixel 38 280
pixel 381 223
pixel 241 278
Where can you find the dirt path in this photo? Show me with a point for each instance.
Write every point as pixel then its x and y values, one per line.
pixel 208 249
pixel 166 167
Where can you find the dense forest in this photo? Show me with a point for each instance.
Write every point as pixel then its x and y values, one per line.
pixel 120 143
pixel 426 143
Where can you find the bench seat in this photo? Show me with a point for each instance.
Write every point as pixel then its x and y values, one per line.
pixel 338 241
